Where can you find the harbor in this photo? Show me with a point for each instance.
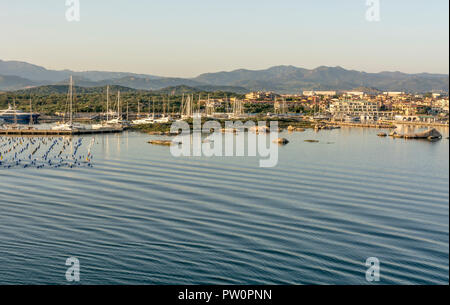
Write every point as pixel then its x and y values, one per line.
pixel 53 132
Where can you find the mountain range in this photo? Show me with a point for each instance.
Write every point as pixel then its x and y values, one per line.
pixel 15 75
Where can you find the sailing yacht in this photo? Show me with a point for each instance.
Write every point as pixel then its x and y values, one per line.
pixel 12 115
pixel 70 125
pixel 118 120
pixel 148 120
pixel 109 112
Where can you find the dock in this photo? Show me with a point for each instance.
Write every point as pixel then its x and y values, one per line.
pixel 367 125
pixel 49 132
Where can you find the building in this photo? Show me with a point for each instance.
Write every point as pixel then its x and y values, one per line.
pixel 354 94
pixel 319 93
pixel 436 95
pixel 394 93
pixel 260 95
pixel 357 108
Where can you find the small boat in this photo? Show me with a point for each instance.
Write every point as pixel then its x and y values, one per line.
pixel 163 120
pixel 163 142
pixel 143 121
pixel 68 126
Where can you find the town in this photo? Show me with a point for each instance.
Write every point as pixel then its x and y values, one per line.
pixel 359 106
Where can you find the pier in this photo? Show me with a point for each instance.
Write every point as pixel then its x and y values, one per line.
pixel 49 132
pixel 367 125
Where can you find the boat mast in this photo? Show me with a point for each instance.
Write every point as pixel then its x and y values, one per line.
pixel 107 103
pixel 15 113
pixel 164 107
pixel 168 105
pixel 153 108
pixel 71 101
pixel 118 105
pixel 181 105
pixel 31 113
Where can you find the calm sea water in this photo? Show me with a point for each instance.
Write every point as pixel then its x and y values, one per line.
pixel 141 216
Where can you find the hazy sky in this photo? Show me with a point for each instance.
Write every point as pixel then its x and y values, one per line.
pixel 188 37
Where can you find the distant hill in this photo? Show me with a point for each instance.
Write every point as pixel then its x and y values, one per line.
pixel 9 82
pixel 281 79
pixel 40 74
pixel 178 90
pixel 292 79
pixel 62 89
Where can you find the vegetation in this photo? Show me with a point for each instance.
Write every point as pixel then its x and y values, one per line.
pixel 52 99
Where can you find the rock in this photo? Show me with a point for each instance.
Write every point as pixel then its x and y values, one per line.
pixel 382 134
pixel 260 129
pixel 311 141
pixel 431 134
pixel 281 141
pixel 162 142
pixel 300 129
pixel 229 130
pixel 291 128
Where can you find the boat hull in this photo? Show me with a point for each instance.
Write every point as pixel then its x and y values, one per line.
pixel 21 119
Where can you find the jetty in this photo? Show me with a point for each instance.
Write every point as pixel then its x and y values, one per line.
pixel 367 125
pixel 50 132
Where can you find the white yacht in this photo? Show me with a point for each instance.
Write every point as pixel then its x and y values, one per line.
pixel 164 119
pixel 12 115
pixel 144 121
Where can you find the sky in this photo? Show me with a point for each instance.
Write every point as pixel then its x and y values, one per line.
pixel 184 38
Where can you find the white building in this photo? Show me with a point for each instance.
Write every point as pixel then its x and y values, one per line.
pixel 354 93
pixel 317 93
pixel 436 95
pixel 394 93
pixel 354 108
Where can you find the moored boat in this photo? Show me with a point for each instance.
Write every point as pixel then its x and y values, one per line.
pixel 12 115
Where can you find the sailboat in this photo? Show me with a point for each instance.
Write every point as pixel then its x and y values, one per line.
pixel 118 120
pixel 148 120
pixel 105 124
pixel 70 125
pixel 165 118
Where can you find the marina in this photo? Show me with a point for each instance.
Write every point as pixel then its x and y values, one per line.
pixel 52 132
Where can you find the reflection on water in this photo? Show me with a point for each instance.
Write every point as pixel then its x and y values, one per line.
pixel 141 216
